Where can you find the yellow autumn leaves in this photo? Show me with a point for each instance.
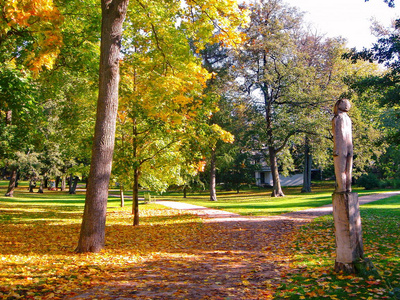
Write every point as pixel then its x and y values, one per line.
pixel 42 19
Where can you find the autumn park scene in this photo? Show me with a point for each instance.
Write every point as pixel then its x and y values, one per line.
pixel 207 149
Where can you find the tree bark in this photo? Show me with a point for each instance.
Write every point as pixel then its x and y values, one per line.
pixel 63 183
pixel 40 190
pixel 185 191
pixel 213 192
pixel 277 189
pixel 135 197
pixel 92 235
pixel 348 231
pixel 57 181
pixel 307 168
pixel 13 183
pixel 70 183
pixel 32 185
pixel 72 189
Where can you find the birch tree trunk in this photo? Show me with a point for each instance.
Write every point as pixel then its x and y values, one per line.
pixel 92 235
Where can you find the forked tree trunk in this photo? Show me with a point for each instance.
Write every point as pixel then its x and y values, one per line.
pixel 92 235
pixel 307 168
pixel 32 184
pixel 135 197
pixel 277 189
pixel 213 191
pixel 13 183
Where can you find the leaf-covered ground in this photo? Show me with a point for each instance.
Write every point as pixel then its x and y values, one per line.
pixel 177 256
pixel 311 274
pixel 170 256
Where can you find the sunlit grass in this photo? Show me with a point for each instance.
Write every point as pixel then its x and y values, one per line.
pixel 258 202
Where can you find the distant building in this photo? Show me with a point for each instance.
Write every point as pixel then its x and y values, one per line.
pixel 264 177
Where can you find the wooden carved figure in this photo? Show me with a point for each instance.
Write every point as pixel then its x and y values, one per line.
pixel 343 146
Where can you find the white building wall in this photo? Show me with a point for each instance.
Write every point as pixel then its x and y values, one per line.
pixel 293 180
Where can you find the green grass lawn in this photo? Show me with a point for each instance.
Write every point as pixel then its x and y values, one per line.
pixel 251 202
pixel 258 202
pixel 56 198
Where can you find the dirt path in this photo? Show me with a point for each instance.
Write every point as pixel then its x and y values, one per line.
pixel 239 258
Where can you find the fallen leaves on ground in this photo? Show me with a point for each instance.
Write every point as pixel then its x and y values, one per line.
pixel 312 276
pixel 177 256
pixel 170 256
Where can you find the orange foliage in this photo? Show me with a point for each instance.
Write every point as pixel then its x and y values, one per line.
pixel 201 166
pixel 42 19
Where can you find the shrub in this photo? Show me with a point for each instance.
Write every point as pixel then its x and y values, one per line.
pixel 368 181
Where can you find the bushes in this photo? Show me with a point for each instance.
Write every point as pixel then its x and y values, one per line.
pixel 390 183
pixel 368 181
pixel 371 181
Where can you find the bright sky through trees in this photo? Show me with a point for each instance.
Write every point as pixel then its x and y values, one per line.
pixel 350 19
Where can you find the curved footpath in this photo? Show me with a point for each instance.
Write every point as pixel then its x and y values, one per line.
pixel 216 215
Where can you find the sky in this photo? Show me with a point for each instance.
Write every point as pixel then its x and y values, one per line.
pixel 350 19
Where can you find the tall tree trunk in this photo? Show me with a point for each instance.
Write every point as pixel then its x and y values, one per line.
pixel 40 191
pixel 213 192
pixel 13 182
pixel 17 181
pixel 32 184
pixel 92 235
pixel 276 190
pixel 307 167
pixel 70 183
pixel 57 181
pixel 72 189
pixel 63 183
pixel 135 197
pixel 185 191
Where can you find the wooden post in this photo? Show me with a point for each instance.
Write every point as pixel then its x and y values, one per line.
pixel 349 244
